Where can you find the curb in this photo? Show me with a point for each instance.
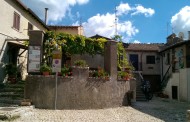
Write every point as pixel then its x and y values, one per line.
pixel 8 113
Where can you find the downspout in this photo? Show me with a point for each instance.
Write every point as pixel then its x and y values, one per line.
pixel 141 61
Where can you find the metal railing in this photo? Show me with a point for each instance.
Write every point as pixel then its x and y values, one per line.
pixel 165 78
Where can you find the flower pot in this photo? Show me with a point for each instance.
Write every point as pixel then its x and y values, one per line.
pixel 45 73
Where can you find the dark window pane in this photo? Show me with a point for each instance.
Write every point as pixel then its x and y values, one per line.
pixel 30 27
pixel 150 59
pixel 16 21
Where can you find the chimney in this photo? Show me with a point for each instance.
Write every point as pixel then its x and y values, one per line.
pixel 188 35
pixel 46 12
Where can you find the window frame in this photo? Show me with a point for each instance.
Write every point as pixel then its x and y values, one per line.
pixel 150 59
pixel 16 21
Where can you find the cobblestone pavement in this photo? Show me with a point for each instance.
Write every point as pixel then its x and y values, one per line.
pixel 156 110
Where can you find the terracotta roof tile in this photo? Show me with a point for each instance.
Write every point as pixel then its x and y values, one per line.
pixel 143 47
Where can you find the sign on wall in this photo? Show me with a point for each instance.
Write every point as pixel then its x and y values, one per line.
pixel 34 54
pixel 56 64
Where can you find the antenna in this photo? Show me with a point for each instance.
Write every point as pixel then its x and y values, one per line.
pixel 80 22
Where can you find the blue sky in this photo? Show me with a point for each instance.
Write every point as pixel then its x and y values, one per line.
pixel 138 21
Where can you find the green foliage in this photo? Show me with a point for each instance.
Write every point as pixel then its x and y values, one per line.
pixel 100 73
pixel 11 69
pixel 45 68
pixel 122 58
pixel 71 44
pixel 81 63
pixel 26 43
pixel 117 38
pixel 122 74
pixel 66 71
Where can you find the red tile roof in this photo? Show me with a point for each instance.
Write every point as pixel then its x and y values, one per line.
pixel 155 47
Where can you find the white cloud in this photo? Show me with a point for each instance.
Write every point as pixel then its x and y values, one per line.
pixel 104 25
pixel 100 24
pixel 57 8
pixel 181 21
pixel 139 9
pixel 137 41
pixel 123 8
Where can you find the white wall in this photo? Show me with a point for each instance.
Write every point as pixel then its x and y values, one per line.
pixel 6 27
pixel 180 79
pixel 183 85
pixel 156 70
pixel 188 84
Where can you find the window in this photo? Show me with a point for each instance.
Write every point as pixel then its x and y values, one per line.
pixel 16 21
pixel 30 27
pixel 168 59
pixel 150 59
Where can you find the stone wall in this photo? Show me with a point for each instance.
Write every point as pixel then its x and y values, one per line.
pixel 76 92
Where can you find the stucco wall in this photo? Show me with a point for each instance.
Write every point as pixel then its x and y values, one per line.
pixel 78 92
pixel 188 84
pixel 180 79
pixel 8 7
pixel 68 29
pixel 183 85
pixel 92 61
pixel 164 65
pixel 147 69
pixel 6 27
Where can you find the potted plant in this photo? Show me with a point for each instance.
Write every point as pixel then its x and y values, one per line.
pixel 66 71
pixel 123 75
pixel 45 69
pixel 101 73
pixel 11 70
pixel 80 63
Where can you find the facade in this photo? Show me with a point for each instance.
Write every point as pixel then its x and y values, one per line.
pixel 175 65
pixel 146 59
pixel 75 30
pixel 16 21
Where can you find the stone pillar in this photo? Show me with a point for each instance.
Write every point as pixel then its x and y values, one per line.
pixel 188 115
pixel 36 38
pixel 35 49
pixel 110 59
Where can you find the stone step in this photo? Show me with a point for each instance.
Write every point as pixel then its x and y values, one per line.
pixel 11 101
pixel 12 90
pixel 15 86
pixel 11 94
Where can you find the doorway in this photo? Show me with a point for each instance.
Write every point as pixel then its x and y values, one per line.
pixel 174 92
pixel 134 60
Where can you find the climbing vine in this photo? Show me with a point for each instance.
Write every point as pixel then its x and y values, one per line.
pixel 122 61
pixel 72 44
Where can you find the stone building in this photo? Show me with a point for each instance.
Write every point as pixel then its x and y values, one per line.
pixel 146 59
pixel 75 30
pixel 175 68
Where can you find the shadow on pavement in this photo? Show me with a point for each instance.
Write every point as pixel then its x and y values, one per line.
pixel 164 109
